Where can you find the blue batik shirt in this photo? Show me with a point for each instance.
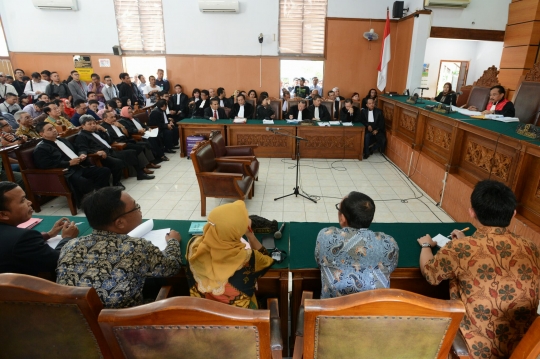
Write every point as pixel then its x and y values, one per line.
pixel 354 260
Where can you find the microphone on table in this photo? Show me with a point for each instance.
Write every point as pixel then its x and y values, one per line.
pixel 272 129
pixel 279 233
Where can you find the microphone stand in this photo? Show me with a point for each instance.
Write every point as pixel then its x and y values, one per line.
pixel 421 95
pixel 296 191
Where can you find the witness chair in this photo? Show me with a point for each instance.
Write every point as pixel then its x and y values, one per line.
pixel 218 177
pixel 244 152
pixel 42 319
pixel 51 182
pixel 381 323
pixel 195 327
pixel 478 98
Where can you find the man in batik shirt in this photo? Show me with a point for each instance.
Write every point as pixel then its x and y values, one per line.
pixel 493 272
pixel 111 261
pixel 353 258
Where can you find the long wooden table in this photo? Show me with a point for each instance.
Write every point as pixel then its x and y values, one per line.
pixel 322 142
pixel 470 149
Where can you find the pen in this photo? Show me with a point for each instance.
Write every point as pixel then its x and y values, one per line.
pixel 463 230
pixel 79 223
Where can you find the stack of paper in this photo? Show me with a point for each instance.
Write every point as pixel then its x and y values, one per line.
pixel 506 119
pixel 334 123
pixel 441 240
pixel 239 120
pixel 348 124
pixel 492 116
pixel 466 112
pixel 323 124
pixel 268 122
pixel 293 121
pixel 151 133
pixel 31 223
pixel 53 242
pixel 145 230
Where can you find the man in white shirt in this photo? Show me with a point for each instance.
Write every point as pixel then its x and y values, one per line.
pixel 110 90
pixel 315 86
pixel 142 85
pixel 35 86
pixel 151 91
pixel 5 88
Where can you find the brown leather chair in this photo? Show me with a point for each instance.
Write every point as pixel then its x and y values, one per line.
pixel 254 104
pixel 195 327
pixel 357 326
pixel 51 182
pixel 478 98
pixel 527 102
pixel 277 106
pixel 142 117
pixel 245 152
pixel 42 319
pixel 330 106
pixel 217 177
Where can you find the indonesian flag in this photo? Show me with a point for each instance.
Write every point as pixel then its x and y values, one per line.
pixel 385 55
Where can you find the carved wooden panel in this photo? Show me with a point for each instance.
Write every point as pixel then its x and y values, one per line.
pixel 388 113
pixel 331 142
pixel 489 78
pixel 438 136
pixel 261 140
pixel 407 120
pixel 533 74
pixel 484 158
pixel 346 142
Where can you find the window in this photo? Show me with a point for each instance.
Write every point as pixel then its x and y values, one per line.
pixel 146 66
pixel 291 69
pixel 140 26
pixel 301 26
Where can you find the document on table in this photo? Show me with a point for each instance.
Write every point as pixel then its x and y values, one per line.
pixel 239 120
pixel 268 122
pixel 334 123
pixel 293 121
pixel 156 237
pixel 441 240
pixel 151 133
pixel 323 124
pixel 53 242
pixel 506 119
pixel 347 124
pixel 466 112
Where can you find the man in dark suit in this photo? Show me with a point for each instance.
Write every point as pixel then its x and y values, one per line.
pixel 178 104
pixel 373 120
pixel 242 109
pixel 90 140
pixel 168 132
pixel 56 152
pixel 300 111
pixel 129 91
pixel 223 100
pixel 117 134
pixel 134 127
pixel 214 112
pixel 349 113
pixel 201 105
pixel 319 112
pixel 26 251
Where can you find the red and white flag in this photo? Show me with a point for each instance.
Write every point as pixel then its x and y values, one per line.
pixel 385 55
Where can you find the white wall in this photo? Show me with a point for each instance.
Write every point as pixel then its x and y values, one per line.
pixel 481 54
pixel 367 9
pixel 92 29
pixel 189 31
pixel 420 35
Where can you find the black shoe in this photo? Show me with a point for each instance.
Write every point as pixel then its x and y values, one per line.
pixel 370 151
pixel 176 148
pixel 366 156
pixel 144 176
pixel 169 151
pixel 165 158
pixel 119 184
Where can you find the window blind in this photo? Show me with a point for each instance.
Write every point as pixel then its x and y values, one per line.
pixel 301 26
pixel 140 26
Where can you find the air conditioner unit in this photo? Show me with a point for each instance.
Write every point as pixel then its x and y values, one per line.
pixel 447 3
pixel 56 4
pixel 219 6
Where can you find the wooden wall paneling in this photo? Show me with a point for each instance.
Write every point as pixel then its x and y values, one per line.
pixel 527 33
pixel 528 185
pixel 519 57
pixel 401 50
pixel 388 113
pixel 63 63
pixel 272 146
pixel 523 11
pixel 466 34
pixel 510 78
pixel 407 125
pixel 334 142
pixel 438 139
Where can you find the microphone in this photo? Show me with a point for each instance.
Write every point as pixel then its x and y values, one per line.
pixel 423 88
pixel 272 129
pixel 279 233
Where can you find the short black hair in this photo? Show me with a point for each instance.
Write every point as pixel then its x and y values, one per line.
pixel 493 203
pixel 35 75
pixel 41 95
pixel 240 95
pixel 329 92
pixel 21 70
pixel 151 77
pixel 315 97
pixel 304 102
pixel 91 102
pixel 90 92
pixel 5 186
pixel 161 103
pixel 123 75
pixel 96 76
pixel 103 206
pixel 500 88
pixel 220 90
pixel 139 77
pixel 46 72
pixel 107 77
pixel 74 71
pixel 112 103
pixel 358 209
pixel 205 92
pixel 11 94
pixel 178 85
pixel 46 109
pixel 78 102
pixel 40 126
pixel 194 91
pixel 214 99
pixel 40 104
pixel 26 78
pixel 349 100
pixel 57 101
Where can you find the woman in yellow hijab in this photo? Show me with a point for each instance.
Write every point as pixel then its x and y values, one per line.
pixel 223 266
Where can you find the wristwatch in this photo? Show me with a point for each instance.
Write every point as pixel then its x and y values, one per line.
pixel 425 245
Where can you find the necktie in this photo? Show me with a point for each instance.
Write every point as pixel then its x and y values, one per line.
pixel 64 148
pixel 101 140
pixel 117 131
pixel 215 114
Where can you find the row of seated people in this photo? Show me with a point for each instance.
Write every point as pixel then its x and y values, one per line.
pixel 494 272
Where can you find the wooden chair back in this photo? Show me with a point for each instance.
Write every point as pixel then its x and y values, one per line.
pixel 527 102
pixel 277 106
pixel 142 117
pixel 330 106
pixel 478 98
pixel 254 104
pixel 358 325
pixel 42 319
pixel 529 346
pixel 195 327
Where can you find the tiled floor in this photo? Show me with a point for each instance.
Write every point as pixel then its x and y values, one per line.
pixel 174 194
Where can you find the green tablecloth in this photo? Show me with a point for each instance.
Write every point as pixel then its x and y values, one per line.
pixel 48 222
pixel 249 122
pixel 304 236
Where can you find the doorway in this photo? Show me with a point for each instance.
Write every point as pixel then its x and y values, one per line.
pixel 308 69
pixel 453 71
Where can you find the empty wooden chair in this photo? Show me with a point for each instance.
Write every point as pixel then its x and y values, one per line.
pixel 194 328
pixel 42 319
pixel 381 323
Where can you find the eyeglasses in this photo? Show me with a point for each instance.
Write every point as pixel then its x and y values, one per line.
pixel 337 206
pixel 137 208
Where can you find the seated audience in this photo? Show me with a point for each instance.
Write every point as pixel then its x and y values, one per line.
pixel 92 96
pixel 93 105
pixel 494 273
pixel 222 266
pixel 8 136
pixel 26 251
pixel 78 88
pixel 372 94
pixel 23 101
pixel 5 88
pixel 55 152
pixel 96 87
pixel 168 132
pixel 300 112
pixel 315 86
pixel 497 103
pixel 223 100
pixel 318 112
pixel 447 96
pixel 34 109
pixel 26 127
pixel 355 97
pixel 252 94
pixel 195 96
pixel 264 110
pixel 353 258
pixel 349 113
pixel 9 107
pixel 214 112
pixel 201 105
pixel 332 97
pixel 58 87
pixel 35 86
pixel 241 109
pixel 179 104
pixel 111 261
pixel 81 109
pixel 373 120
